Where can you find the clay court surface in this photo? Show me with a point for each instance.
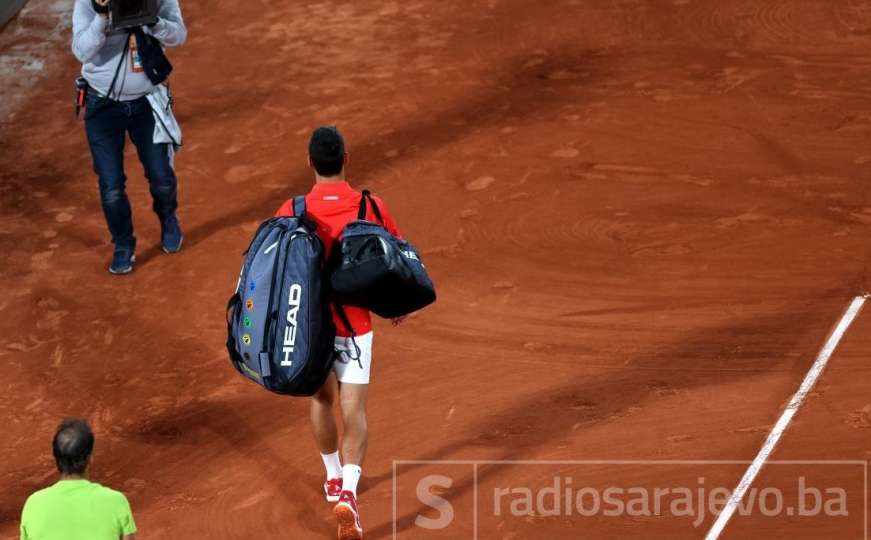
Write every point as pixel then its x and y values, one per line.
pixel 644 219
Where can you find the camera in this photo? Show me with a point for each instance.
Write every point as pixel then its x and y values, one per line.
pixel 125 14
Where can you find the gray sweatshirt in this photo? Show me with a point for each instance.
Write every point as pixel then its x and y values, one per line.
pixel 99 50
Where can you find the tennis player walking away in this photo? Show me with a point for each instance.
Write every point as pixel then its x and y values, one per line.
pixel 332 204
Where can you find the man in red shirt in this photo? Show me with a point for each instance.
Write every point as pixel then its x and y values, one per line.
pixel 332 204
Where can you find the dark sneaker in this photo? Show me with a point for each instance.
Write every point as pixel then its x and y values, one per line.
pixel 170 234
pixel 122 261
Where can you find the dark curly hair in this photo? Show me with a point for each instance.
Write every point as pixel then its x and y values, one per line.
pixel 327 151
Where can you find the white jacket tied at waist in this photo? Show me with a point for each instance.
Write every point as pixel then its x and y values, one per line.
pixel 166 128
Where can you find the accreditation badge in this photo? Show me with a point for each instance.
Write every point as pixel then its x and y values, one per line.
pixel 135 60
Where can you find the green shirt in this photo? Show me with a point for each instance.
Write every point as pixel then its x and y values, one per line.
pixel 76 510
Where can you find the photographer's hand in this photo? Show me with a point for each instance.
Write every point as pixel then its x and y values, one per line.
pixel 101 7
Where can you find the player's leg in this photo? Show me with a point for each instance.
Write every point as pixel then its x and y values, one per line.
pixel 352 370
pixel 323 420
pixel 157 161
pixel 327 437
pixel 355 441
pixel 105 126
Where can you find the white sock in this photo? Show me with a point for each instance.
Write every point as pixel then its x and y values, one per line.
pixel 350 477
pixel 333 465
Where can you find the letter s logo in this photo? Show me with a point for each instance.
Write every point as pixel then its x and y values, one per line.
pixel 444 508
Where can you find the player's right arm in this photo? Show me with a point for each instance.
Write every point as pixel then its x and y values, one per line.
pixel 389 222
pixel 129 537
pixel 89 30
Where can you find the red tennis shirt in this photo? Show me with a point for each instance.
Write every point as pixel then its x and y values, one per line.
pixel 332 206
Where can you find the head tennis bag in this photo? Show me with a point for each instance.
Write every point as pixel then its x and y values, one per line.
pixel 378 271
pixel 280 331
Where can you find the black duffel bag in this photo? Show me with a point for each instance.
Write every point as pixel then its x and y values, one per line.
pixel 378 271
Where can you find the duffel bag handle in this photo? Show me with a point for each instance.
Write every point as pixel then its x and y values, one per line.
pixel 233 306
pixel 361 213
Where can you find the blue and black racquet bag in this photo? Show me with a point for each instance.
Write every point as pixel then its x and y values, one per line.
pixel 280 330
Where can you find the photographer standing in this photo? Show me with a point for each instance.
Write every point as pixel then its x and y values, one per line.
pixel 117 103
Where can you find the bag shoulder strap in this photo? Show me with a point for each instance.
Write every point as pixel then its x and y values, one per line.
pixel 118 68
pixel 299 206
pixel 343 316
pixel 361 213
pixel 346 321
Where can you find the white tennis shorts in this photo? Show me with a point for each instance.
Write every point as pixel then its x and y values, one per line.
pixel 353 364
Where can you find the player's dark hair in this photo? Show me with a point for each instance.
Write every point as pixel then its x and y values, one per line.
pixel 72 446
pixel 327 151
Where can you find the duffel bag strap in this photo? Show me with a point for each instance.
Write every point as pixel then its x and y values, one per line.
pixel 343 315
pixel 361 213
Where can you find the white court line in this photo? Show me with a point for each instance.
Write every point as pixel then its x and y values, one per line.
pixel 475 510
pixel 663 462
pixel 779 428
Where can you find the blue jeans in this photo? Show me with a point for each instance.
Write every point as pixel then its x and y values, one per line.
pixel 107 122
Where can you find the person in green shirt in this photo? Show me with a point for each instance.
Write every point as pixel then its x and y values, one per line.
pixel 75 508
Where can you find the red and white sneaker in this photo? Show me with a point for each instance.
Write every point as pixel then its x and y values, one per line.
pixel 348 517
pixel 333 489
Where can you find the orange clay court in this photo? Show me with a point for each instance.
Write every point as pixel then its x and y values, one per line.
pixel 645 219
